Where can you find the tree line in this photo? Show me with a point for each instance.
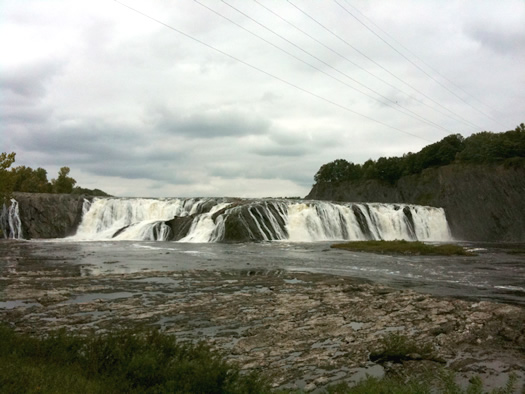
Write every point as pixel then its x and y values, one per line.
pixel 25 179
pixel 479 148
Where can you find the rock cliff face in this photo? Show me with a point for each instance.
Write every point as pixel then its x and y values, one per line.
pixel 49 215
pixel 482 202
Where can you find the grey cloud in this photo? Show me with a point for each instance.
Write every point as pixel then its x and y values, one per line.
pixel 281 150
pixel 211 123
pixel 502 41
pixel 29 80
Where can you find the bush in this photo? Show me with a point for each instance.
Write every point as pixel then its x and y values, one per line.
pixel 122 362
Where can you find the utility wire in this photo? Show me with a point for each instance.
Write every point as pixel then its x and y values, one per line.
pixel 267 73
pixel 357 65
pixel 415 64
pixel 408 112
pixel 418 58
pixel 380 66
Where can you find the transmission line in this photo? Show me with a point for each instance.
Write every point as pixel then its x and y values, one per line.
pixel 418 58
pixel 415 64
pixel 266 72
pixel 410 113
pixel 380 66
pixel 358 66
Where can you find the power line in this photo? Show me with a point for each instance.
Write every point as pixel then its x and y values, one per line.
pixel 413 114
pixel 380 66
pixel 357 65
pixel 418 58
pixel 415 64
pixel 267 73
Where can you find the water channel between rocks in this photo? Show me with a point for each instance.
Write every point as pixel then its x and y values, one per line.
pixel 304 314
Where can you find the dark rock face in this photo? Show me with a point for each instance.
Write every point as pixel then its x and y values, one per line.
pixel 256 221
pixel 180 226
pixel 482 202
pixel 49 215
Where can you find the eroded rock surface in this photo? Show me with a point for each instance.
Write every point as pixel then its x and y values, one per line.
pixel 303 330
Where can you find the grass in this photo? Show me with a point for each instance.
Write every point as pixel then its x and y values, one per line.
pixel 404 247
pixel 124 362
pixel 152 362
pixel 441 383
pixel 398 348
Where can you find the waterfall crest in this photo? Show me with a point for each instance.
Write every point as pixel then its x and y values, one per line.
pixel 234 220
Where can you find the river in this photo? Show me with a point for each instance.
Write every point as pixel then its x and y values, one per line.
pixel 497 273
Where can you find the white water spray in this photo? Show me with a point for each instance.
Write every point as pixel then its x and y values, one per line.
pixel 265 220
pixel 10 222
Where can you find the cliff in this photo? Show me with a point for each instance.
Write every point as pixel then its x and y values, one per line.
pixel 46 215
pixel 482 202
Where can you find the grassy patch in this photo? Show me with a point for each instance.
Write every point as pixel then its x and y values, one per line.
pixel 398 348
pixel 124 362
pixel 441 383
pixel 404 247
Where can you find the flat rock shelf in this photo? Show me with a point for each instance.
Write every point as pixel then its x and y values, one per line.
pixel 304 330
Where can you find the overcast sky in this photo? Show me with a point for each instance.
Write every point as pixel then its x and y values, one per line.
pixel 248 98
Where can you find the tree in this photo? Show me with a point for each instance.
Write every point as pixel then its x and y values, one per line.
pixel 63 183
pixel 6 180
pixel 30 181
pixel 389 169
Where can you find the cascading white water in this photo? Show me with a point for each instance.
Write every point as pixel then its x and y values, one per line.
pixel 322 221
pixel 265 220
pixel 10 222
pixel 132 219
pixel 203 227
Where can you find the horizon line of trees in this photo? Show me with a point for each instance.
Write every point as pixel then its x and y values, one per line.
pixel 479 148
pixel 25 179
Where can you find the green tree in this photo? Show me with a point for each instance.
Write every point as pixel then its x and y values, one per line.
pixel 389 169
pixel 30 181
pixel 63 183
pixel 6 179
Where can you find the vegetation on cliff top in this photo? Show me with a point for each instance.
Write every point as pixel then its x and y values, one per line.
pixel 25 179
pixel 404 247
pixel 479 148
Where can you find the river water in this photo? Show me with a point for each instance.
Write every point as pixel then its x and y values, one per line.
pixel 497 273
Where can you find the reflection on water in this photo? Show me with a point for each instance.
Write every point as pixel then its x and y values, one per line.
pixel 497 273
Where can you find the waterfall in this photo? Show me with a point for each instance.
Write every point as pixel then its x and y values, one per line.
pixel 322 221
pixel 234 220
pixel 10 222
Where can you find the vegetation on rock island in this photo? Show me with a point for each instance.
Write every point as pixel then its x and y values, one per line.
pixel 480 148
pixel 25 179
pixel 404 247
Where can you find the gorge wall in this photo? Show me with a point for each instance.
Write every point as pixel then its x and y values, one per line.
pixel 481 202
pixel 46 215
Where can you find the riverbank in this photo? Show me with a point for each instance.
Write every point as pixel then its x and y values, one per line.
pixel 303 330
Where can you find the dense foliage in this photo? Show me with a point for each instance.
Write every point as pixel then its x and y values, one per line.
pixel 6 181
pixel 26 179
pixel 121 362
pixel 479 148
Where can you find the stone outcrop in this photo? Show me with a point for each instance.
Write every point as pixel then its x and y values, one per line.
pixel 49 215
pixel 304 330
pixel 482 202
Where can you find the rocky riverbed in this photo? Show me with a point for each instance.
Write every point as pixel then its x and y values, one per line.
pixel 303 330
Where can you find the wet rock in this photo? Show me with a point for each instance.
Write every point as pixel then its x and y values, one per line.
pixel 308 331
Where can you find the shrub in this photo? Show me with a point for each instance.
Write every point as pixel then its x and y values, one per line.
pixel 121 362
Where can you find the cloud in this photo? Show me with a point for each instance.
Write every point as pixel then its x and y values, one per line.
pixel 136 108
pixel 211 123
